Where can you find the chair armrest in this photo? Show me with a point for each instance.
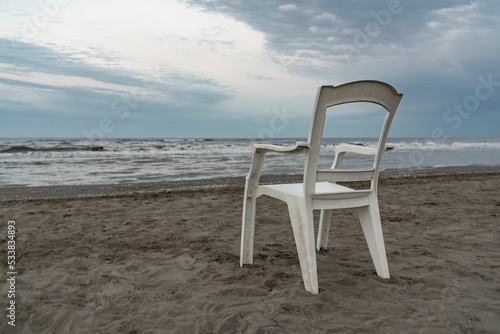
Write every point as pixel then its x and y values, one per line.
pixel 359 149
pixel 341 149
pixel 258 152
pixel 299 147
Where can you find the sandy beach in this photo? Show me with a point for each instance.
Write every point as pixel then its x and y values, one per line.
pixel 166 260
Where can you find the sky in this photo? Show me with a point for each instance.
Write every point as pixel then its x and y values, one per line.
pixel 246 69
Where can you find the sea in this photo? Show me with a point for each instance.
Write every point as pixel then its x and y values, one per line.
pixel 28 162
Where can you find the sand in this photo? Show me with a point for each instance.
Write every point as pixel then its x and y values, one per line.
pixel 167 261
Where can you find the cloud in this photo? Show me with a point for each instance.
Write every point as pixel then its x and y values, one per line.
pixel 289 7
pixel 28 58
pixel 432 51
pixel 36 67
pixel 233 59
pixel 379 23
pixel 325 17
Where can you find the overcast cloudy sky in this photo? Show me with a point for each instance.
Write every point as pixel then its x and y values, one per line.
pixel 231 68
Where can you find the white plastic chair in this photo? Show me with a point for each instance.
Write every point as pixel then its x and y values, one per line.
pixel 319 189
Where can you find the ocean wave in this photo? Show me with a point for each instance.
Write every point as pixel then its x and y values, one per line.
pixel 227 147
pixel 52 161
pixel 445 146
pixel 26 149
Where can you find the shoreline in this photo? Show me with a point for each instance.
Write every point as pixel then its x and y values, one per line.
pixel 14 193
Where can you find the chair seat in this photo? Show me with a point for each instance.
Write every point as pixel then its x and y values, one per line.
pixel 297 189
pixel 325 191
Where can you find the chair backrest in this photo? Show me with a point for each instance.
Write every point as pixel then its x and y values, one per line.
pixel 359 91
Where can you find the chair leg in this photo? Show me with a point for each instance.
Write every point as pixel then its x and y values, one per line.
pixel 248 219
pixel 301 216
pixel 372 228
pixel 247 229
pixel 323 229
